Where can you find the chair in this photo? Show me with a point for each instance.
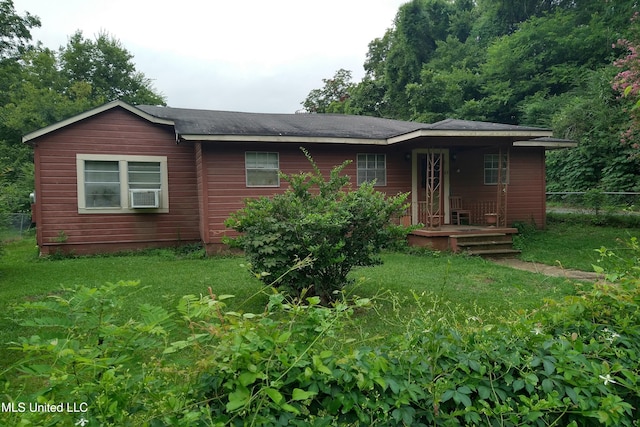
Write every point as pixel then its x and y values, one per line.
pixel 457 212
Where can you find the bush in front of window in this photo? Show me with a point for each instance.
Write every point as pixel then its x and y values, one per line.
pixel 323 221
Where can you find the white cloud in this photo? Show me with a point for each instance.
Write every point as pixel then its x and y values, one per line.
pixel 251 55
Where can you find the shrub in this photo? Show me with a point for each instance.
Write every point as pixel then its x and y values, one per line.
pixel 333 226
pixel 573 362
pixel 87 355
pixel 621 265
pixel 595 198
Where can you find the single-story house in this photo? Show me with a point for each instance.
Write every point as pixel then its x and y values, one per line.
pixel 121 177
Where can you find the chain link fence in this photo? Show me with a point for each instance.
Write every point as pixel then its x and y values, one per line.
pixel 16 224
pixel 594 201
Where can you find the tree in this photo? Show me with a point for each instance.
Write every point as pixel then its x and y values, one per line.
pixel 529 62
pixel 548 54
pixel 332 97
pixel 333 227
pixel 419 24
pixel 108 68
pixel 40 86
pixel 15 40
pixel 15 31
pixel 595 117
pixel 447 81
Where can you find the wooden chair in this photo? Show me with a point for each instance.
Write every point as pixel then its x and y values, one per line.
pixel 457 212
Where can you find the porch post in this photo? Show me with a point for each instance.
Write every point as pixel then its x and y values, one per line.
pixel 414 187
pixel 503 185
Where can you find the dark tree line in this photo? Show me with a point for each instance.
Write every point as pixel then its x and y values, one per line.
pixel 547 63
pixel 40 86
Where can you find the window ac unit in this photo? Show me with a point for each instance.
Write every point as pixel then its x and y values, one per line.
pixel 143 198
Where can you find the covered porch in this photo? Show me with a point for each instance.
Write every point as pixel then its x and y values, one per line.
pixel 453 186
pixel 472 181
pixel 459 197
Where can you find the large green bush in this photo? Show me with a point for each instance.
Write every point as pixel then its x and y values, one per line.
pixel 333 227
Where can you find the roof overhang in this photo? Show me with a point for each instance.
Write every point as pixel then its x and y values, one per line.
pixel 87 114
pixel 547 143
pixel 425 133
pixel 525 137
pixel 283 138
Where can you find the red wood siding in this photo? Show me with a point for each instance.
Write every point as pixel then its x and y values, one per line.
pixel 207 181
pixel 112 132
pixel 527 199
pixel 526 190
pixel 226 174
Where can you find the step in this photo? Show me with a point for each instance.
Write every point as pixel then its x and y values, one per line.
pixel 483 238
pixel 493 253
pixel 485 242
pixel 479 246
pixel 474 236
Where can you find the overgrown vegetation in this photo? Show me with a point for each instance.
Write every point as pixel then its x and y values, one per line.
pixel 445 350
pixel 319 225
pixel 573 361
pixel 567 65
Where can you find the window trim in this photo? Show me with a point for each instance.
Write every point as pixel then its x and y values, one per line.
pixel 125 201
pixel 505 169
pixel 276 169
pixel 358 169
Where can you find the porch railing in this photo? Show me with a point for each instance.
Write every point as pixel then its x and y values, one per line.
pixel 478 210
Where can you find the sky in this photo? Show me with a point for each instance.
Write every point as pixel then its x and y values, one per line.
pixel 237 55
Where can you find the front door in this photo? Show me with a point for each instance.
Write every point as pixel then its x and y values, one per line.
pixel 430 184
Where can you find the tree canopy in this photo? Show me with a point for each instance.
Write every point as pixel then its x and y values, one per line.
pixel 549 63
pixel 40 86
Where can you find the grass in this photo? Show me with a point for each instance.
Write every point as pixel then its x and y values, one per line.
pixel 468 287
pixel 471 287
pixel 571 243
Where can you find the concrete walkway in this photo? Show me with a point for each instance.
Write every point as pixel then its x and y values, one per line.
pixel 549 270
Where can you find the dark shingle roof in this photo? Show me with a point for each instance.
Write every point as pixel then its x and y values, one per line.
pixel 191 124
pixel 470 125
pixel 207 122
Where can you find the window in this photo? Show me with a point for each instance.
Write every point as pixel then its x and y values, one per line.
pixel 144 175
pixel 494 165
pixel 372 167
pixel 261 169
pixel 122 184
pixel 101 184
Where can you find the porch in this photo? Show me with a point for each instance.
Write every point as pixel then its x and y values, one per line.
pixel 481 213
pixel 490 241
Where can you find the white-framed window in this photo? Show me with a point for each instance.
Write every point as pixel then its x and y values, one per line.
pixel 372 167
pixel 122 184
pixel 261 169
pixel 494 166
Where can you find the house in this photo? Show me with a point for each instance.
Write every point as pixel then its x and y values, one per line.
pixel 120 177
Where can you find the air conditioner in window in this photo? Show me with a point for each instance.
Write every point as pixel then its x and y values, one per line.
pixel 145 198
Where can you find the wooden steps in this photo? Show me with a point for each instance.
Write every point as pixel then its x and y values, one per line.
pixel 483 244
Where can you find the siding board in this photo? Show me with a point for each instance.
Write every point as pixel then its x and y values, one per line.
pixel 225 174
pixel 112 132
pixel 526 189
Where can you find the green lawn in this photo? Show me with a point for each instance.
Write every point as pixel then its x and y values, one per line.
pixel 573 245
pixel 472 287
pixel 474 284
pixel 455 289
